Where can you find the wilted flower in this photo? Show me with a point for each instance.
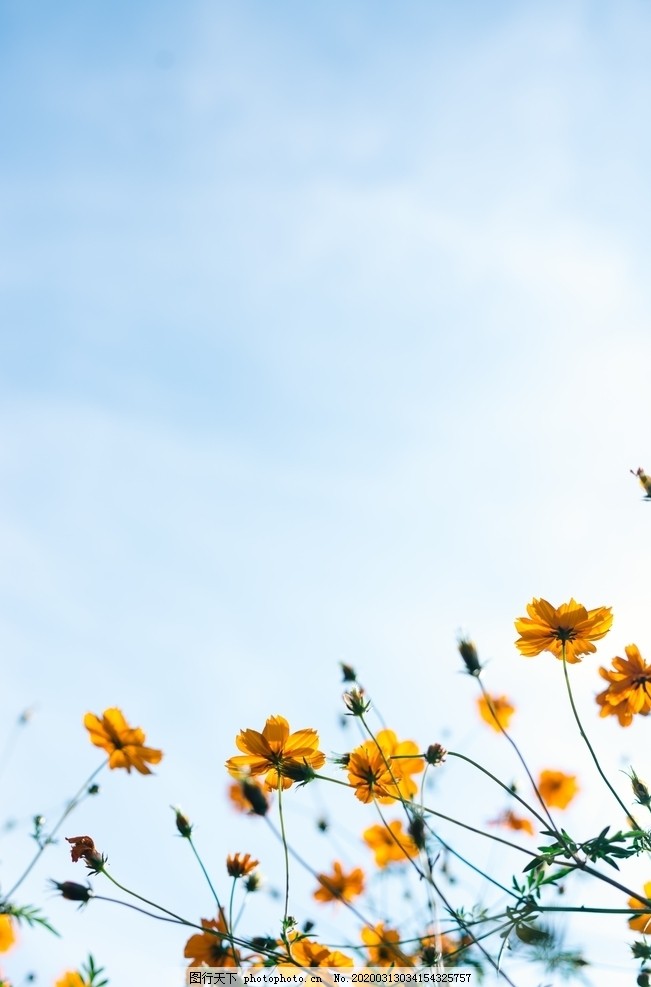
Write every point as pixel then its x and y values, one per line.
pixel 356 701
pixel 435 754
pixel 72 891
pixel 83 848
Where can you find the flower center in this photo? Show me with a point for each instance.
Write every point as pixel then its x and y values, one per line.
pixel 565 634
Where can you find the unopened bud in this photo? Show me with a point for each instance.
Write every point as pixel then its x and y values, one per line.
pixel 183 824
pixel 468 652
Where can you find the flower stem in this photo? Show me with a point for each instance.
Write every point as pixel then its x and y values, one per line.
pixel 205 872
pixel 627 811
pixel 72 804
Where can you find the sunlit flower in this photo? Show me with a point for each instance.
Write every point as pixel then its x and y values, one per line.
pixel 392 845
pixel 369 774
pixel 557 789
pixel 274 751
pixel 629 689
pixel 382 767
pixel 383 946
pixel 641 923
pixel 496 711
pixel 7 933
pixel 240 864
pixel 124 745
pixel 547 629
pixel 70 979
pixel 340 886
pixel 509 819
pixel 307 953
pixel 207 949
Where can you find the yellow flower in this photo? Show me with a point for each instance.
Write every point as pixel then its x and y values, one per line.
pixel 547 629
pixel 308 953
pixel 496 711
pixel 339 886
pixel 381 768
pixel 71 979
pixel 275 751
pixel 369 775
pixel 557 789
pixel 7 933
pixel 390 847
pixel 509 819
pixel 629 689
pixel 384 946
pixel 124 745
pixel 207 949
pixel 239 865
pixel 641 923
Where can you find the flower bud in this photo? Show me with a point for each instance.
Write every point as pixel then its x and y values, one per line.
pixel 468 652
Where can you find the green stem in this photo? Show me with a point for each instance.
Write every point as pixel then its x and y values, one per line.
pixel 497 781
pixel 72 804
pixel 205 872
pixel 626 811
pixel 283 837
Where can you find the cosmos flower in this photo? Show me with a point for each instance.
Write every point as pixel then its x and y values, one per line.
pixel 240 864
pixel 641 923
pixel 124 745
pixel 496 711
pixel 339 886
pixel 629 687
pixel 275 752
pixel 207 949
pixel 392 845
pixel 509 819
pixel 557 789
pixel 547 629
pixel 7 933
pixel 384 946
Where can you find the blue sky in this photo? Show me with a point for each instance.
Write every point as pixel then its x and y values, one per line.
pixel 325 335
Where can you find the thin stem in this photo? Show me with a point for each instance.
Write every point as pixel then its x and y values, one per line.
pixel 72 804
pixel 230 920
pixel 283 837
pixel 521 760
pixel 627 811
pixel 205 872
pixel 497 781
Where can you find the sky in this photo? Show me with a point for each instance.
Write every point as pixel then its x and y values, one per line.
pixel 325 337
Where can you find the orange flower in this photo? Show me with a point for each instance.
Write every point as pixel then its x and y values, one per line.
pixel 641 923
pixel 557 789
pixel 369 775
pixel 496 711
pixel 70 979
pixel 123 744
pixel 548 629
pixel 509 819
pixel 308 953
pixel 239 865
pixel 629 689
pixel 391 845
pixel 383 946
pixel 381 768
pixel 208 949
pixel 276 753
pixel 7 933
pixel 339 886
pixel 247 795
